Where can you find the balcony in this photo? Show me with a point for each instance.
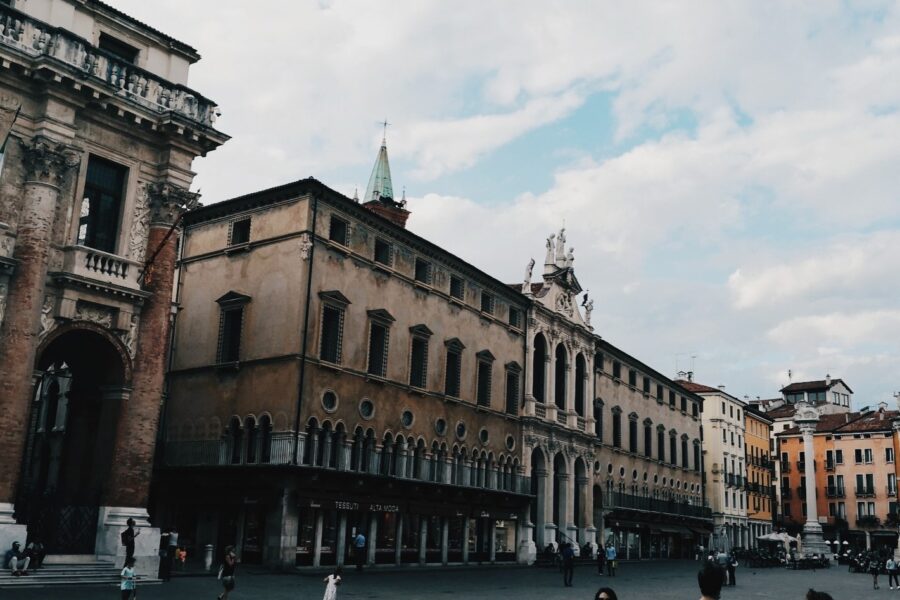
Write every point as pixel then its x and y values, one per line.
pixel 87 263
pixel 834 492
pixel 279 450
pixel 62 51
pixel 867 521
pixel 865 492
pixel 801 466
pixel 829 465
pixel 655 505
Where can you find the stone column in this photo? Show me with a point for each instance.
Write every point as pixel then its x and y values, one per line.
pixel 492 541
pixel 281 533
pixel 423 537
pixel 398 548
pixel 807 417
pixel 346 453
pixel 341 546
pixel 550 381
pixel 129 482
pixel 465 541
pixel 314 445
pixel 373 538
pixel 526 553
pixel 317 538
pixel 401 459
pixel 326 450
pixel 46 166
pixel 445 538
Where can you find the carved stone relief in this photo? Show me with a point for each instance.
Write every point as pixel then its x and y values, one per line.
pixel 129 338
pixel 305 246
pixel 48 322
pixel 3 293
pixel 140 225
pixel 100 315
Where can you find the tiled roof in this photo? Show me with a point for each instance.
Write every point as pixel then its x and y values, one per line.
pixel 782 412
pixel 873 421
pixel 813 386
pixel 697 388
pixel 826 423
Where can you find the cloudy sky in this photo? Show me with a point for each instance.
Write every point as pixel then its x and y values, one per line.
pixel 727 172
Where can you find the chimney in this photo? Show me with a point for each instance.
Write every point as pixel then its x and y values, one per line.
pixel 828 380
pixel 690 375
pixel 393 212
pixel 882 406
pixel 721 387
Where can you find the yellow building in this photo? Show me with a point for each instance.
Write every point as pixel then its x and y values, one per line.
pixel 757 434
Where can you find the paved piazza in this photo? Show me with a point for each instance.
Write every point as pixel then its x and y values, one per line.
pixel 644 580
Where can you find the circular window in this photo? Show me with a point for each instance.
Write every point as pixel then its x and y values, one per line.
pixel 609 468
pixel 483 436
pixel 366 409
pixel 407 418
pixel 634 474
pixel 645 475
pixel 510 442
pixel 621 471
pixel 461 430
pixel 440 427
pixel 329 401
pixel 597 467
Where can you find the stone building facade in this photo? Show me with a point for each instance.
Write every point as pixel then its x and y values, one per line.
pixel 96 166
pixel 612 447
pixel 334 373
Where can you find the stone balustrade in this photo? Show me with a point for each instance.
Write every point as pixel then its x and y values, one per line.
pixel 101 266
pixel 89 63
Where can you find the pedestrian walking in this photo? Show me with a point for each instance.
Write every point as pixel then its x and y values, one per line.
pixel 892 570
pixel 732 568
pixel 171 551
pixel 128 536
pixel 601 559
pixel 611 559
pixel 874 568
pixel 359 550
pixel 605 593
pixel 568 561
pixel 164 564
pixel 128 580
pixel 331 585
pixel 711 578
pixel 226 572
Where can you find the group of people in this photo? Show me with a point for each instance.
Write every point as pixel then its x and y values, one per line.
pixel 727 562
pixel 18 561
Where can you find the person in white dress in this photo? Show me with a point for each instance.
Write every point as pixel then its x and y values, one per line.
pixel 331 584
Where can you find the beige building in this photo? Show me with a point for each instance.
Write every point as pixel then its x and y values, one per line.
pixel 352 376
pixel 99 132
pixel 726 471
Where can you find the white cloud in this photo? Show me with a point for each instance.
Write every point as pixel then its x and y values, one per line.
pixel 877 326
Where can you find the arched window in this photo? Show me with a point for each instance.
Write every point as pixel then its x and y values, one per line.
pixel 539 368
pixel 633 433
pixel 310 449
pixel 661 443
pixel 684 451
pixel 356 452
pixel 368 451
pixel 648 438
pixel 235 438
pixel 250 427
pixel 265 439
pixel 673 447
pixel 617 427
pixel 580 383
pixel 387 453
pixel 562 371
pixel 598 418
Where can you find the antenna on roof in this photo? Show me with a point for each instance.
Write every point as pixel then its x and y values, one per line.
pixel 384 124
pixel 790 374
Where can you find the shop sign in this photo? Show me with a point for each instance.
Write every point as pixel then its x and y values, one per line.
pixel 350 505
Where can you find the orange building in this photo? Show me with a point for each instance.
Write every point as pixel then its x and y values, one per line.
pixel 855 478
pixel 757 434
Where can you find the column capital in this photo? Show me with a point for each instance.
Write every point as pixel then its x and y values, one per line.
pixel 168 202
pixel 47 161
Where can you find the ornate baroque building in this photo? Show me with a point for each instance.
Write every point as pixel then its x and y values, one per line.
pixel 99 133
pixel 612 447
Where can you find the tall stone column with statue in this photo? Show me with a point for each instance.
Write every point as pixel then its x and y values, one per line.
pixel 807 418
pixel 132 465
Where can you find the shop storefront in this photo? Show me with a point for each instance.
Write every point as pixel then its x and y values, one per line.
pixel 651 539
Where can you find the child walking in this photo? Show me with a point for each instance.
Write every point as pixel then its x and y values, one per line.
pixel 331 583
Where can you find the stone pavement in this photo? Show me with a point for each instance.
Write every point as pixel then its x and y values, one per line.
pixel 655 580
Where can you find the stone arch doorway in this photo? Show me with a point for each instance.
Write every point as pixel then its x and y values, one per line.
pixel 82 374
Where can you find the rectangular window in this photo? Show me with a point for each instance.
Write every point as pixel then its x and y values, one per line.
pixel 418 363
pixel 892 484
pixel 598 361
pixel 423 271
pixel 454 368
pixel 332 334
pixel 787 509
pixel 661 445
pixel 617 430
pixel 646 385
pixel 384 252
pixel 378 349
pixel 485 371
pixel 724 437
pixel 515 317
pixel 512 391
pixel 673 450
pixel 632 377
pixel 338 231
pixel 697 458
pixel 648 441
pixel 487 303
pixel 120 49
pixel 671 398
pixel 683 404
pixel 860 509
pixel 659 392
pixel 104 190
pixel 695 409
pixel 240 232
pixel 867 455
pixel 858 456
pixel 632 435
pixel 617 370
pixel 832 509
pixel 230 322
pixel 842 510
pixel 839 457
pixel 889 455
pixel 684 454
pixel 457 287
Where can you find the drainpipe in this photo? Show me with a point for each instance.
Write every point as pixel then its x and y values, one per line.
pixel 304 341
